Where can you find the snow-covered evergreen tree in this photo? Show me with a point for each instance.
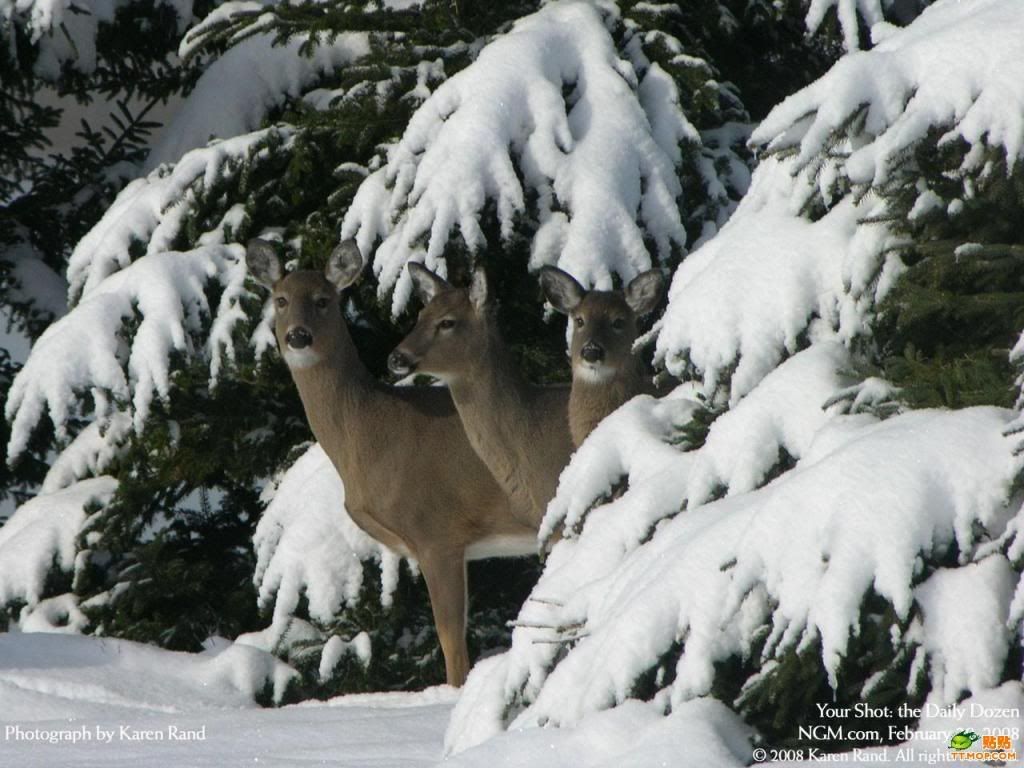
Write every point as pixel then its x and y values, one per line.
pixel 804 520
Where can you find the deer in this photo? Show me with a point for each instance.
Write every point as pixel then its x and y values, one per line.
pixel 412 480
pixel 605 371
pixel 520 430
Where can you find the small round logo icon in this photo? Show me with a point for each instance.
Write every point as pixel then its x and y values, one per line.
pixel 963 740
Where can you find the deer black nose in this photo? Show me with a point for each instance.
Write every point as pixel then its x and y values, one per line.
pixel 298 338
pixel 592 353
pixel 400 364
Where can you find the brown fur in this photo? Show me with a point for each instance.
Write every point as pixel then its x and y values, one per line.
pixel 520 430
pixel 412 480
pixel 607 320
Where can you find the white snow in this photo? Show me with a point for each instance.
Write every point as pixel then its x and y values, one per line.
pixel 795 557
pixel 83 351
pixel 958 67
pixel 104 703
pixel 148 211
pixel 765 278
pixel 307 544
pixel 42 534
pixel 599 164
pixel 64 32
pixel 965 628
pixel 262 76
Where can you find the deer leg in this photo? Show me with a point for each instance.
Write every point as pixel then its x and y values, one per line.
pixel 445 573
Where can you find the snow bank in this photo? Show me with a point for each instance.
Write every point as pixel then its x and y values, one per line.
pixel 633 735
pixel 41 534
pixel 111 676
pixel 959 67
pixel 603 178
pixel 306 544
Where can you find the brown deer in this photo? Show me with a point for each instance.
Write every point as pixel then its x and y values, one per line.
pixel 521 431
pixel 412 480
pixel 605 372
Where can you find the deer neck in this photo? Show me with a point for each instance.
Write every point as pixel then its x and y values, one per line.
pixel 335 393
pixel 495 404
pixel 590 401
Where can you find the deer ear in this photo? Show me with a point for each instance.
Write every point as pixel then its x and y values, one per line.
pixel 478 289
pixel 561 289
pixel 426 283
pixel 644 291
pixel 263 262
pixel 344 264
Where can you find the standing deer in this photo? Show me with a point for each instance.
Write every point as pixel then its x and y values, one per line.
pixel 521 431
pixel 605 372
pixel 412 480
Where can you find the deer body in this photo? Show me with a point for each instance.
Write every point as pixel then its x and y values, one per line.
pixel 519 430
pixel 412 480
pixel 605 371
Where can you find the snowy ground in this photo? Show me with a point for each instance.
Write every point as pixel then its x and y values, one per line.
pixel 70 700
pixel 106 693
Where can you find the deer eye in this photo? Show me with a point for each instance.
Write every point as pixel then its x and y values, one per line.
pixel 579 322
pixel 618 323
pixel 322 302
pixel 281 302
pixel 446 325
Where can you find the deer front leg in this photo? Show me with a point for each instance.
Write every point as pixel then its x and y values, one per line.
pixel 445 572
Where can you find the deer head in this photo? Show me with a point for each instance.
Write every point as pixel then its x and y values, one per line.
pixel 307 310
pixel 452 328
pixel 604 323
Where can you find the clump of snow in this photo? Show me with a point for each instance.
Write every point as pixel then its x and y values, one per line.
pixel 604 171
pixel 41 534
pixel 850 14
pixel 90 453
pixel 306 544
pixel 337 647
pixel 765 277
pixel 121 676
pixel 965 628
pixel 262 76
pixel 784 413
pixel 60 614
pixel 916 79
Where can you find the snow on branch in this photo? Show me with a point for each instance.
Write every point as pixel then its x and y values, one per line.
pixel 770 280
pixel 306 544
pixel 262 76
pixel 959 67
pixel 718 576
pixel 43 533
pixel 151 210
pixel 849 13
pixel 548 122
pixel 65 32
pixel 91 349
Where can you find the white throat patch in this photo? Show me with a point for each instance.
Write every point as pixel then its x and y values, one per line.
pixel 300 358
pixel 592 373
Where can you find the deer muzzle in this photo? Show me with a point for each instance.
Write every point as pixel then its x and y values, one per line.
pixel 400 364
pixel 592 353
pixel 298 338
